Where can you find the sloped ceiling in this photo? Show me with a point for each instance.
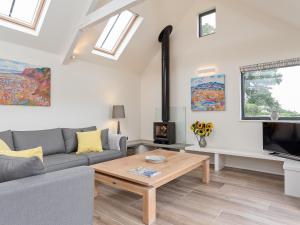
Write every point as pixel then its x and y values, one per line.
pixel 144 44
pixel 63 16
pixel 286 11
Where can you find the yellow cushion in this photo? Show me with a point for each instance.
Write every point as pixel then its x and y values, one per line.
pixel 25 153
pixel 89 142
pixel 4 146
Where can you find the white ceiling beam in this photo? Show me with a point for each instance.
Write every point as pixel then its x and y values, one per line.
pixel 106 11
pixel 99 15
pixel 71 46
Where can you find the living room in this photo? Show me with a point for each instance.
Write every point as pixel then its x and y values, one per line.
pixel 137 84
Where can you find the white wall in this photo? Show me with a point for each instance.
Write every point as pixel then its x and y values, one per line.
pixel 244 36
pixel 82 95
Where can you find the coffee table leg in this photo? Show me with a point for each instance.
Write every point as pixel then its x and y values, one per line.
pixel 96 192
pixel 149 207
pixel 206 173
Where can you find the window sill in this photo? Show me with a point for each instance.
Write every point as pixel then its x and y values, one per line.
pixel 271 121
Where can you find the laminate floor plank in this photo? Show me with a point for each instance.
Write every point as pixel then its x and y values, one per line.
pixel 233 197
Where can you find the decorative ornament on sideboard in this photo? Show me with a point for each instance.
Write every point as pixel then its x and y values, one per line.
pixel 201 130
pixel 274 115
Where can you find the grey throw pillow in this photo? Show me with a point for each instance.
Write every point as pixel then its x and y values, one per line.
pixel 70 137
pixel 92 128
pixel 104 139
pixel 6 136
pixel 12 168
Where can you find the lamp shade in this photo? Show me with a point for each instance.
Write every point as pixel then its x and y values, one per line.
pixel 118 112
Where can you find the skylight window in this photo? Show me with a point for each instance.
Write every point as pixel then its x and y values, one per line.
pixel 22 13
pixel 118 28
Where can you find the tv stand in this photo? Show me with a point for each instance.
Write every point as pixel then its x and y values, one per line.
pixel 220 153
pixel 291 167
pixel 286 156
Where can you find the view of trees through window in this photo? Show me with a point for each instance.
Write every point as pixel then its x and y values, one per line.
pixel 207 23
pixel 208 29
pixel 271 90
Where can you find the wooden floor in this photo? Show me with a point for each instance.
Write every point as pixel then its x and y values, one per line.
pixel 233 197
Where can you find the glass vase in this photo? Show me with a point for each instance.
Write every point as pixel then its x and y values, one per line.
pixel 202 142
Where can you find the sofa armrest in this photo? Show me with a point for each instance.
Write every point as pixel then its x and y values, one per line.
pixel 123 145
pixel 61 197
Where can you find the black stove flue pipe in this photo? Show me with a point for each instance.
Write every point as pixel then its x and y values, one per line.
pixel 165 62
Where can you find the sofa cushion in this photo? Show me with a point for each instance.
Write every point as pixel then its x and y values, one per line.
pixel 104 139
pixel 28 153
pixel 51 140
pixel 4 146
pixel 12 168
pixel 92 128
pixel 89 142
pixel 7 137
pixel 97 157
pixel 64 161
pixel 70 137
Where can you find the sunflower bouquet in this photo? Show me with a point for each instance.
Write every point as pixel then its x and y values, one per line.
pixel 201 130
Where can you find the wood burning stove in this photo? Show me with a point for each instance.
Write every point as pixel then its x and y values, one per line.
pixel 164 132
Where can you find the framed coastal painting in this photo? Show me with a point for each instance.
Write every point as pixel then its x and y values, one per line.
pixel 208 93
pixel 24 84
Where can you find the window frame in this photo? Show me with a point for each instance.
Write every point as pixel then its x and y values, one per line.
pixel 259 118
pixel 32 26
pixel 200 16
pixel 121 38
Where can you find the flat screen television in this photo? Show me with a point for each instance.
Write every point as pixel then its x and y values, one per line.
pixel 282 138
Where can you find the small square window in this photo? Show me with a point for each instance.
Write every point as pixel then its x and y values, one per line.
pixel 207 23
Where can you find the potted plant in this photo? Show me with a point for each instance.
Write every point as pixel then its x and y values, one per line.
pixel 201 130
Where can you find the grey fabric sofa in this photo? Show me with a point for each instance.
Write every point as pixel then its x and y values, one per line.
pixel 58 154
pixel 63 197
pixel 64 194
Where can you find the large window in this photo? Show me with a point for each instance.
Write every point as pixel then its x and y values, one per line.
pixel 271 88
pixel 115 31
pixel 207 23
pixel 25 13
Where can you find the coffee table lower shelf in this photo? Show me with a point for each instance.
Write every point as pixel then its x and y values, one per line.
pixel 147 192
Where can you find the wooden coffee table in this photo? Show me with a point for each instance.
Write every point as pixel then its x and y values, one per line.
pixel 115 173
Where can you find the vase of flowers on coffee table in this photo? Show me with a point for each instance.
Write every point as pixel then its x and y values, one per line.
pixel 202 130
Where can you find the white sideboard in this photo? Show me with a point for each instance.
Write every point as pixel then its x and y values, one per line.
pixel 292 177
pixel 220 153
pixel 291 167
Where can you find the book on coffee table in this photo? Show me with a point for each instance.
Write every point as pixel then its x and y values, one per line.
pixel 147 172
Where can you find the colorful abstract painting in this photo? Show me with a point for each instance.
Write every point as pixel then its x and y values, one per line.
pixel 24 84
pixel 208 93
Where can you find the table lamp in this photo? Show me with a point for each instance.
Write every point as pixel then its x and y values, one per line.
pixel 118 113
